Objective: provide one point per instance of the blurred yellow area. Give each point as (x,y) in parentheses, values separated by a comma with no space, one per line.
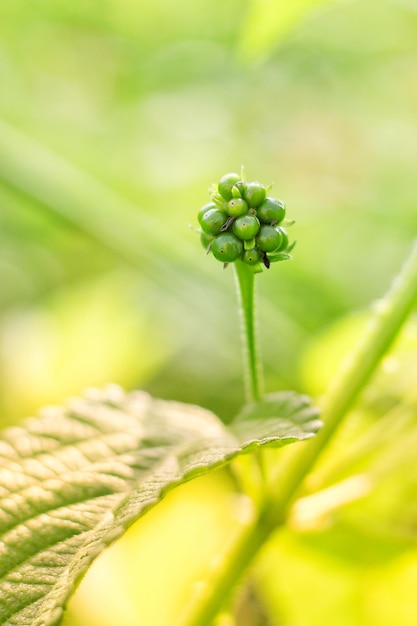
(115,118)
(158,566)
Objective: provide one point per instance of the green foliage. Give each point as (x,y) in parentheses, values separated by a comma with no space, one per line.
(113,118)
(273,405)
(75,478)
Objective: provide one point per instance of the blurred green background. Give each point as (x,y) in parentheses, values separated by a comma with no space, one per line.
(115,118)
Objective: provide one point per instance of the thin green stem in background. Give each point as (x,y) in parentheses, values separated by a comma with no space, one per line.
(253,375)
(390,314)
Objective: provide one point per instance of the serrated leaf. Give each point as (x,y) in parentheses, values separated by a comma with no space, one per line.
(73,479)
(284,417)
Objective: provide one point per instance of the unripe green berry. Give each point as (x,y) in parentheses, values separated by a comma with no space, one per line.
(271,211)
(269,238)
(284,238)
(246,227)
(206,239)
(227,248)
(254,193)
(252,257)
(212,221)
(240,222)
(236,207)
(226,184)
(204,209)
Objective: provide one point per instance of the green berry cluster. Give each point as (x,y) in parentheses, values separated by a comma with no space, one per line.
(242,222)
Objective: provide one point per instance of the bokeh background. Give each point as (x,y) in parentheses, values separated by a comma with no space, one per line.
(115,118)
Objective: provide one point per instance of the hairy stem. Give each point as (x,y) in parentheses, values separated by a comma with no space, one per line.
(253,375)
(390,315)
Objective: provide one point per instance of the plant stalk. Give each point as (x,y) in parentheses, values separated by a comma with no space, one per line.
(253,375)
(390,314)
(232,567)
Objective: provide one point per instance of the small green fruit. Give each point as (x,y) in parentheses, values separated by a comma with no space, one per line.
(254,193)
(227,182)
(284,241)
(204,209)
(271,211)
(227,248)
(269,238)
(252,257)
(246,227)
(236,207)
(206,240)
(212,221)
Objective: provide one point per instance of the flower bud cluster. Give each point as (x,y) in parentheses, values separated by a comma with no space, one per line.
(242,222)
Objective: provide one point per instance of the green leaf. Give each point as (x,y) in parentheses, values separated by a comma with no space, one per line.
(268,21)
(279,256)
(73,479)
(283,417)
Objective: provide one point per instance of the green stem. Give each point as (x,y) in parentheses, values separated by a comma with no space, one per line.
(390,315)
(253,376)
(232,567)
